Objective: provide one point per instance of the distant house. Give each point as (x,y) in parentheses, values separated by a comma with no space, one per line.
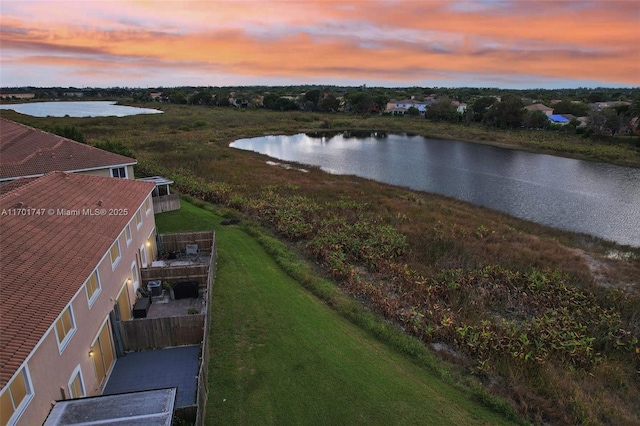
(460,106)
(73,94)
(540,107)
(601,105)
(401,107)
(17,95)
(73,246)
(29,152)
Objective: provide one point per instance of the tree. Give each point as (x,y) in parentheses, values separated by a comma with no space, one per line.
(329,103)
(536,120)
(311,99)
(270,100)
(597,97)
(574,108)
(176,96)
(360,102)
(142,96)
(413,111)
(634,109)
(612,120)
(221,98)
(442,110)
(509,112)
(380,102)
(203,97)
(278,103)
(481,106)
(596,122)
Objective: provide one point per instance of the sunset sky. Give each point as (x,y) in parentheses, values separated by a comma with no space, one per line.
(392,43)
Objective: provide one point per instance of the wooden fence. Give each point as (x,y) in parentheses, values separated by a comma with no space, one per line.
(166,203)
(157,333)
(173,274)
(203,386)
(179,242)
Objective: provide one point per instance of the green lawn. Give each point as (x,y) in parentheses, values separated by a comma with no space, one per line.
(281,356)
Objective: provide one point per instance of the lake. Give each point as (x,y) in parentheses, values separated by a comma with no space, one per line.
(580,196)
(78,109)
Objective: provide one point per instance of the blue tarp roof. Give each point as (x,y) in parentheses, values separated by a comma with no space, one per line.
(558,118)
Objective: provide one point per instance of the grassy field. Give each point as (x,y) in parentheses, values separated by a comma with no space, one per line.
(281,356)
(546,318)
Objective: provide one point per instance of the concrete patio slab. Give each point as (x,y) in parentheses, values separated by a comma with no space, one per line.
(158,369)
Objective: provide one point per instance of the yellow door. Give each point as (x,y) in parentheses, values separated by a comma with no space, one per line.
(124,305)
(103,353)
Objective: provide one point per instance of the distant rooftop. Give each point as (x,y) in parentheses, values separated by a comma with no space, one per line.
(557,118)
(29,152)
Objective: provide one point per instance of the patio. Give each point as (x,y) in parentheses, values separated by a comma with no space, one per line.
(157,369)
(164,306)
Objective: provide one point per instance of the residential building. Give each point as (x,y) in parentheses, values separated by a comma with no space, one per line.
(71,252)
(461,107)
(602,105)
(540,107)
(400,107)
(29,152)
(17,95)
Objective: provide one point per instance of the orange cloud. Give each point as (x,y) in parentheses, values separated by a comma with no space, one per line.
(393,41)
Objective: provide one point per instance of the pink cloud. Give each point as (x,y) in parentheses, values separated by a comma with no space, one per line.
(398,42)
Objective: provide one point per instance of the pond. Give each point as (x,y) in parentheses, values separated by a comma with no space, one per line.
(78,109)
(580,196)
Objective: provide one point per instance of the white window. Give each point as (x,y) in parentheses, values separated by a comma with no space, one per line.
(138,220)
(127,234)
(143,256)
(119,172)
(15,397)
(65,328)
(76,384)
(92,287)
(134,275)
(114,252)
(147,205)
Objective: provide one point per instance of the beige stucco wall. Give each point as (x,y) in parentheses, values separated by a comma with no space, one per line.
(51,370)
(107,172)
(100,172)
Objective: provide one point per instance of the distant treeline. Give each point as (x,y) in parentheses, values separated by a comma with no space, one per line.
(246,94)
(603,111)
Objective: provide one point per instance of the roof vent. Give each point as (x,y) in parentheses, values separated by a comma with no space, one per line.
(100,203)
(19,205)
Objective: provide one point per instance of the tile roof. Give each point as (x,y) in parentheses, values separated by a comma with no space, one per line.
(538,107)
(10,185)
(46,257)
(25,151)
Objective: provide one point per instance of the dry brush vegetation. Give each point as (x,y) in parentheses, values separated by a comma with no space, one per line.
(545,318)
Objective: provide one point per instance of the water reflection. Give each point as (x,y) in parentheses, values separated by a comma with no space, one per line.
(78,109)
(598,199)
